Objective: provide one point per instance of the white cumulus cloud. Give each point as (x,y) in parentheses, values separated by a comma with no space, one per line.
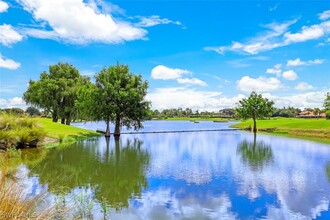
(308,33)
(302,100)
(303,86)
(8,35)
(262,42)
(3,6)
(295,62)
(260,84)
(290,75)
(316,61)
(277,35)
(8,63)
(324,15)
(192,81)
(299,62)
(275,70)
(74,21)
(164,72)
(164,98)
(155,20)
(16,102)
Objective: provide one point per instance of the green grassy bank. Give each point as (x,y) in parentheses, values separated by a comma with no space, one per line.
(313,129)
(63,132)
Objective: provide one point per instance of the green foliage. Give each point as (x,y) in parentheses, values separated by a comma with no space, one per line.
(255,107)
(326,105)
(19,132)
(188,113)
(32,111)
(63,132)
(116,178)
(117,96)
(14,111)
(289,112)
(84,205)
(312,129)
(56,91)
(256,154)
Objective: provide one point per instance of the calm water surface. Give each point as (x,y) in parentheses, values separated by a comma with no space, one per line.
(198,175)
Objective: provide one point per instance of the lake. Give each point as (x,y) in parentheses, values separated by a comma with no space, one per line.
(196,175)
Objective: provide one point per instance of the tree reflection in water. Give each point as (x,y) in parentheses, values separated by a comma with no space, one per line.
(257,153)
(114,176)
(328,171)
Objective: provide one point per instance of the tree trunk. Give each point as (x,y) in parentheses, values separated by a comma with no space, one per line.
(55,116)
(63,121)
(68,120)
(107,131)
(254,125)
(117,127)
(55,119)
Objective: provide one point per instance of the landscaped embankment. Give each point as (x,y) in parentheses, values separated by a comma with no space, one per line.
(22,132)
(60,132)
(314,129)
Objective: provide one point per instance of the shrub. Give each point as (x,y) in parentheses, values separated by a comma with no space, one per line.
(19,132)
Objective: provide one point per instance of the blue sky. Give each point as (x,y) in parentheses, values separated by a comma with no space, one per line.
(203,55)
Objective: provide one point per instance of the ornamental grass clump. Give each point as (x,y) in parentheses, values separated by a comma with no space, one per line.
(19,132)
(14,200)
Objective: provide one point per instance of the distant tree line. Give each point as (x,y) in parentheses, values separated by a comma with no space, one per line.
(31,111)
(188,112)
(117,96)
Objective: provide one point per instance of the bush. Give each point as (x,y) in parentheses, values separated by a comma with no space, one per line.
(327,114)
(19,132)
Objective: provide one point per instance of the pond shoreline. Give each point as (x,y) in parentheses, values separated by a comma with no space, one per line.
(296,131)
(308,129)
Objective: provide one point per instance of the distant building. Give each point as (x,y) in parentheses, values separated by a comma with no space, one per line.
(310,114)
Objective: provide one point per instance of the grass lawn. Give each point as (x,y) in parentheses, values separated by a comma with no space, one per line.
(307,128)
(61,132)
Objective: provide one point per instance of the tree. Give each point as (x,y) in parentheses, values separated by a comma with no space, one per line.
(32,111)
(14,111)
(316,112)
(117,96)
(255,107)
(326,105)
(56,91)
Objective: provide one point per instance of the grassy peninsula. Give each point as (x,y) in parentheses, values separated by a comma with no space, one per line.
(314,129)
(59,131)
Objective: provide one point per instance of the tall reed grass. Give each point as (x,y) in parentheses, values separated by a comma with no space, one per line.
(14,202)
(19,132)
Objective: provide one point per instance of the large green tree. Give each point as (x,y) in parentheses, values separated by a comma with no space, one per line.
(56,91)
(117,96)
(255,107)
(326,105)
